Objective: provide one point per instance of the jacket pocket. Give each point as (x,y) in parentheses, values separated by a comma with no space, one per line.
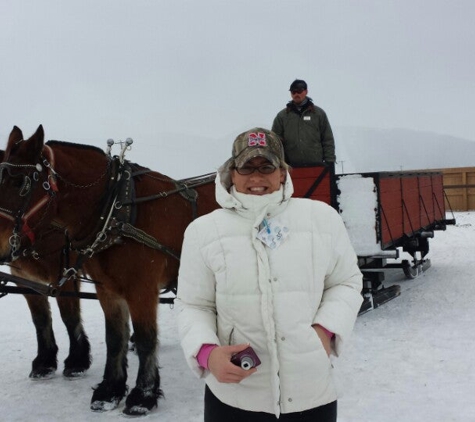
(226,334)
(231,337)
(320,344)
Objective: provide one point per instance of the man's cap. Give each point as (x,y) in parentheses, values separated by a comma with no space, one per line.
(298,84)
(258,142)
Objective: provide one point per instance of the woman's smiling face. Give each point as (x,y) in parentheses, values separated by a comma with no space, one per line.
(257,183)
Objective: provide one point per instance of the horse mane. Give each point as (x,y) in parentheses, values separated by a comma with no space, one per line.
(74,145)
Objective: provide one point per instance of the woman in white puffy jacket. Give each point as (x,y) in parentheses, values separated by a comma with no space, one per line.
(272,272)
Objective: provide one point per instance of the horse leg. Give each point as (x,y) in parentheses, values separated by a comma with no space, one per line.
(45,363)
(79,358)
(108,394)
(144,396)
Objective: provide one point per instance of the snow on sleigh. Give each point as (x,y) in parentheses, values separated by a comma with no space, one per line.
(384,213)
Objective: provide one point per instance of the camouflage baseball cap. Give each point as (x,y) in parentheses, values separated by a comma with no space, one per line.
(258,142)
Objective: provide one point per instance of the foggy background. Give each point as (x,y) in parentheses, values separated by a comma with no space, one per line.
(183,78)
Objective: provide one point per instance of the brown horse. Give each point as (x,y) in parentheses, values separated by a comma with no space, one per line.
(37,264)
(128,243)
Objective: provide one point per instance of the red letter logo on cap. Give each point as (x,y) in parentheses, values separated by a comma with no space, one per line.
(257,139)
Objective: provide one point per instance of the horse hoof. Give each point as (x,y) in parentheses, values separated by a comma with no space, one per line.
(74,374)
(104,406)
(42,374)
(136,411)
(139,402)
(107,396)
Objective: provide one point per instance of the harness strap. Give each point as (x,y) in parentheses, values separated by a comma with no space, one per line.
(132,232)
(183,187)
(191,195)
(72,272)
(156,196)
(6,216)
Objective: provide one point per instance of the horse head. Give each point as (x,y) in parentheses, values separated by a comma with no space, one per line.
(25,192)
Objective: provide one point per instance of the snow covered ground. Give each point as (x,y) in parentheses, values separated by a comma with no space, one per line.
(410,360)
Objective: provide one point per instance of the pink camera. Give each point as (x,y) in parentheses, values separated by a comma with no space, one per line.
(246,359)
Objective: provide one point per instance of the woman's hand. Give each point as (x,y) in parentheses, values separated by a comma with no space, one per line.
(324,338)
(219,363)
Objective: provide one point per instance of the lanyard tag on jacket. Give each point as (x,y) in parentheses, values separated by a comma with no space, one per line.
(273,232)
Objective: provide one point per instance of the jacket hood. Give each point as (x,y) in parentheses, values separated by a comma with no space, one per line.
(228,198)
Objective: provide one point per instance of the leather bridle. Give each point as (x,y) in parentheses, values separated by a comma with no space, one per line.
(32,175)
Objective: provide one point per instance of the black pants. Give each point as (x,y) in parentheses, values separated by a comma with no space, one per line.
(217,411)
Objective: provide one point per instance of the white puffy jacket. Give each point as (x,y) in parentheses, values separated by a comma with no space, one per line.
(233,289)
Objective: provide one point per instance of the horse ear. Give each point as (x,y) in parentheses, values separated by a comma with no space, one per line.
(16,135)
(35,143)
(39,135)
(2,155)
(15,138)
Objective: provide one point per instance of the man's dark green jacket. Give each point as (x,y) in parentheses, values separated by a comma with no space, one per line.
(306,134)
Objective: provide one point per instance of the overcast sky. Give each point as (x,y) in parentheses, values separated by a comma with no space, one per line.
(170,73)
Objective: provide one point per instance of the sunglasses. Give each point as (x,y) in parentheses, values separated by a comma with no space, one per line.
(297,91)
(264,169)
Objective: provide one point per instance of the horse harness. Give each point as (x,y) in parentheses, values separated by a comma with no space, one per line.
(117,216)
